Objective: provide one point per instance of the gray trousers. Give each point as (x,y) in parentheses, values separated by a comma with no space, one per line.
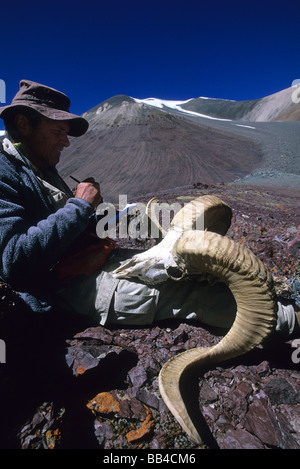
(131,302)
(112,301)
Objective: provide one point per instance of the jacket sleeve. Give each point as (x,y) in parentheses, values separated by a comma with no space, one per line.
(29,249)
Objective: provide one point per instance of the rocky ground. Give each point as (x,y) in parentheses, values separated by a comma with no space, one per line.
(69,385)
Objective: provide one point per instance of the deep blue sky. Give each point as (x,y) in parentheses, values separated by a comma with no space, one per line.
(171,49)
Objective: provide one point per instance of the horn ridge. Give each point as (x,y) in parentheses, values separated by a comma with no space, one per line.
(251,284)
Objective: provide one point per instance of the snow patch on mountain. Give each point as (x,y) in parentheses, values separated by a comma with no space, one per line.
(247,126)
(161,103)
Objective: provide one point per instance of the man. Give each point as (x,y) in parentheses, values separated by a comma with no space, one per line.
(35,231)
(41,219)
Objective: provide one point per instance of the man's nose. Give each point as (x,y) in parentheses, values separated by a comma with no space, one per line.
(65,140)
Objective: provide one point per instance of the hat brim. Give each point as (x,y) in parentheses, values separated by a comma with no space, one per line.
(78,125)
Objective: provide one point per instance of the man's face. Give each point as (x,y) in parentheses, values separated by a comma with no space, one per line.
(45,142)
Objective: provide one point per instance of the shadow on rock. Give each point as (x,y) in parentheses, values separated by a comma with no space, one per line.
(42,399)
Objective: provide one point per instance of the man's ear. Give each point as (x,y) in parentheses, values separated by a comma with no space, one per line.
(22,124)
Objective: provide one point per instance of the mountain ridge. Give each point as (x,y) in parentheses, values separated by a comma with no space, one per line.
(281,104)
(140,146)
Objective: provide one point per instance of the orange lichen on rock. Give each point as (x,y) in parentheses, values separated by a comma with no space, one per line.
(144,430)
(52,438)
(103,403)
(80,370)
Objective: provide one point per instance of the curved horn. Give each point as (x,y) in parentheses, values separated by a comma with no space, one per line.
(252,286)
(150,212)
(207,212)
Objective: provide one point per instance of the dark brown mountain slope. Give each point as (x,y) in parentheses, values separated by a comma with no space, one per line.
(135,149)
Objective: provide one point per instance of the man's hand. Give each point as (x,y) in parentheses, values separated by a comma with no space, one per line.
(89,190)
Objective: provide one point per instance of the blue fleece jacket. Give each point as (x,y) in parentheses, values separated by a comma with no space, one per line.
(33,236)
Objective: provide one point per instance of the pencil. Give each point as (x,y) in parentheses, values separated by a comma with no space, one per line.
(74,179)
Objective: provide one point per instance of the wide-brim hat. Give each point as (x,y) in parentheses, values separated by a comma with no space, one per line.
(48,102)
